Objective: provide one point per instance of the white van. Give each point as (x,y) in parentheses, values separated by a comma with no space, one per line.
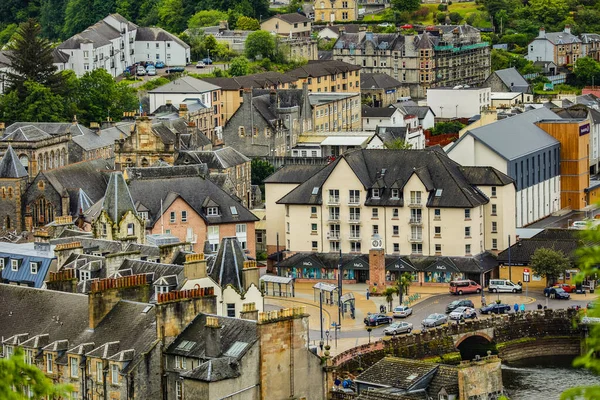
(503,285)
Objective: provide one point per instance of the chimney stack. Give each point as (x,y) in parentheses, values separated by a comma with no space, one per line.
(213,337)
(249,311)
(194,266)
(183,110)
(542,33)
(64,250)
(94,126)
(175,310)
(568,29)
(250,274)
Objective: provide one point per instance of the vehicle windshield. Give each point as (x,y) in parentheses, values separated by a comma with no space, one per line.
(460,309)
(395,325)
(399,308)
(455,302)
(560,290)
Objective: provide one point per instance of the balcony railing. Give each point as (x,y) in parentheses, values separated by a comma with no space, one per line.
(415,203)
(415,238)
(333,235)
(355,236)
(334,217)
(415,221)
(334,200)
(354,220)
(354,200)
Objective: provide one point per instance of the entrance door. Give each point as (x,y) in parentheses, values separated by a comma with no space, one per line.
(362,276)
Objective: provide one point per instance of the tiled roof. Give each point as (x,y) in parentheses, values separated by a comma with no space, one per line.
(292,18)
(155,34)
(293,173)
(262,80)
(378,81)
(399,165)
(375,112)
(486,176)
(322,68)
(186,84)
(397,372)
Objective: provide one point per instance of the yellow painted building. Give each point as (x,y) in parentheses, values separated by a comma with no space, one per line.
(335,111)
(336,10)
(328,76)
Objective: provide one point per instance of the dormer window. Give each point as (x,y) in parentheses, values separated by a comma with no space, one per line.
(375,193)
(14,265)
(33,267)
(85,275)
(130,229)
(211,211)
(395,193)
(162,289)
(143,214)
(49,363)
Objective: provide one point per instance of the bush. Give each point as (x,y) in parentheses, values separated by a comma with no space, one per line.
(442,7)
(442,128)
(421,13)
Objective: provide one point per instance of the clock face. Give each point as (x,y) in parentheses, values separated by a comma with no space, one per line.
(376,243)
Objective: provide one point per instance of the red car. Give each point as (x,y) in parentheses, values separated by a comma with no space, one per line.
(566,287)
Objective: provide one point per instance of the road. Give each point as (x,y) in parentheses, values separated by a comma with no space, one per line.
(437,304)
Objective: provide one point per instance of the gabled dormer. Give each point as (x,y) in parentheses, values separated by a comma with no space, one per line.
(210,208)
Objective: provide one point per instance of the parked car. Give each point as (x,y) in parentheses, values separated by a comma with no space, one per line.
(464,286)
(504,285)
(141,70)
(377,319)
(159,64)
(174,69)
(556,293)
(200,64)
(434,320)
(398,327)
(463,313)
(402,311)
(581,225)
(495,308)
(207,61)
(459,303)
(151,71)
(566,287)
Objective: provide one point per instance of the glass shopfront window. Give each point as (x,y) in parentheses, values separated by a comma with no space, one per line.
(442,276)
(392,276)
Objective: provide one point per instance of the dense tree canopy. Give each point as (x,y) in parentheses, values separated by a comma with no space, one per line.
(549,263)
(260,44)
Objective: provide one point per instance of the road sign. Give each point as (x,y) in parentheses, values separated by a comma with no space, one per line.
(526,276)
(525,271)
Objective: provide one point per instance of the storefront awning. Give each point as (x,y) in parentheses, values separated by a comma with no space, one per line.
(400,264)
(357,263)
(442,265)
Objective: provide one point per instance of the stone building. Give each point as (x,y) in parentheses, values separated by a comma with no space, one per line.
(510,80)
(336,10)
(328,76)
(228,161)
(66,191)
(13,184)
(381,89)
(268,122)
(445,55)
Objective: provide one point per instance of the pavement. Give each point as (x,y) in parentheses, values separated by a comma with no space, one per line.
(431,300)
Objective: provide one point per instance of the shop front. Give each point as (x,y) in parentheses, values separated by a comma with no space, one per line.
(396,266)
(441,271)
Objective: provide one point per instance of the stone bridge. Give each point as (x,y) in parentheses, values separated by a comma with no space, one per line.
(512,337)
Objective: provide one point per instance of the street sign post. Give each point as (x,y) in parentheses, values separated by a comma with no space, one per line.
(526,278)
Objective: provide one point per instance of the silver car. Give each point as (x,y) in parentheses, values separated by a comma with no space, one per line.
(463,313)
(402,311)
(434,320)
(398,327)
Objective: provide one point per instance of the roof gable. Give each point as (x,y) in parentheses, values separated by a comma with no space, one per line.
(10,166)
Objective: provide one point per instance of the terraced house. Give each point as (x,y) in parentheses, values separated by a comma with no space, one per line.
(445,55)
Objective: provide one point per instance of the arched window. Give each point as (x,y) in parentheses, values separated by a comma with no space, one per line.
(24,161)
(51,160)
(63,158)
(145,162)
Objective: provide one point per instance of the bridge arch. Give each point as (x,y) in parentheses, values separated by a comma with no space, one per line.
(466,336)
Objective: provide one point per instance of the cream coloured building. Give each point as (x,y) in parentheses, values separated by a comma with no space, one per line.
(419,202)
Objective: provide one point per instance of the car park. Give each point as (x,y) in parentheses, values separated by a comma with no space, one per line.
(503,285)
(463,313)
(495,308)
(402,311)
(459,303)
(556,293)
(141,70)
(174,70)
(464,286)
(434,320)
(398,327)
(377,319)
(150,70)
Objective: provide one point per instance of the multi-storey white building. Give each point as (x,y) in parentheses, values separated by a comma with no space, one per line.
(115,43)
(419,202)
(458,102)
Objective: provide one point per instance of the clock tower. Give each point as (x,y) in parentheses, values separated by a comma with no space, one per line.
(376,265)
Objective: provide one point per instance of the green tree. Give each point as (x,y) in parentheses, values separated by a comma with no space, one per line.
(31,58)
(549,263)
(587,70)
(442,128)
(398,144)
(52,18)
(247,24)
(99,97)
(7,33)
(260,44)
(206,18)
(41,104)
(239,66)
(455,18)
(389,293)
(209,43)
(78,16)
(549,12)
(402,284)
(406,5)
(260,170)
(171,15)
(17,377)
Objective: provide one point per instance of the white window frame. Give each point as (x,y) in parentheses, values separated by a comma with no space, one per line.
(49,363)
(375,193)
(212,211)
(183,216)
(178,390)
(114,374)
(85,275)
(28,356)
(74,367)
(395,193)
(99,371)
(1,263)
(34,267)
(14,265)
(172,217)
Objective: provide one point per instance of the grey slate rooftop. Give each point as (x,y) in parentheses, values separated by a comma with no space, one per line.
(378,81)
(155,34)
(226,268)
(10,166)
(117,199)
(322,68)
(219,159)
(293,173)
(186,84)
(261,80)
(513,79)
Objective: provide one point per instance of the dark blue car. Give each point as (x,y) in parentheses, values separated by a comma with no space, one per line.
(495,309)
(160,64)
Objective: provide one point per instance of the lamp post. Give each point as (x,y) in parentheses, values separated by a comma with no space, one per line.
(369,330)
(321,314)
(327,336)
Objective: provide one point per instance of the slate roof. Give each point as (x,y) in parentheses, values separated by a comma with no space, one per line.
(446,378)
(196,191)
(89,140)
(10,166)
(349,28)
(186,84)
(513,80)
(560,38)
(377,112)
(117,199)
(100,34)
(34,131)
(419,111)
(486,176)
(214,370)
(501,135)
(378,81)
(164,172)
(35,311)
(221,159)
(396,372)
(226,269)
(565,240)
(25,253)
(322,68)
(292,18)
(391,133)
(434,168)
(232,330)
(261,80)
(154,34)
(293,173)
